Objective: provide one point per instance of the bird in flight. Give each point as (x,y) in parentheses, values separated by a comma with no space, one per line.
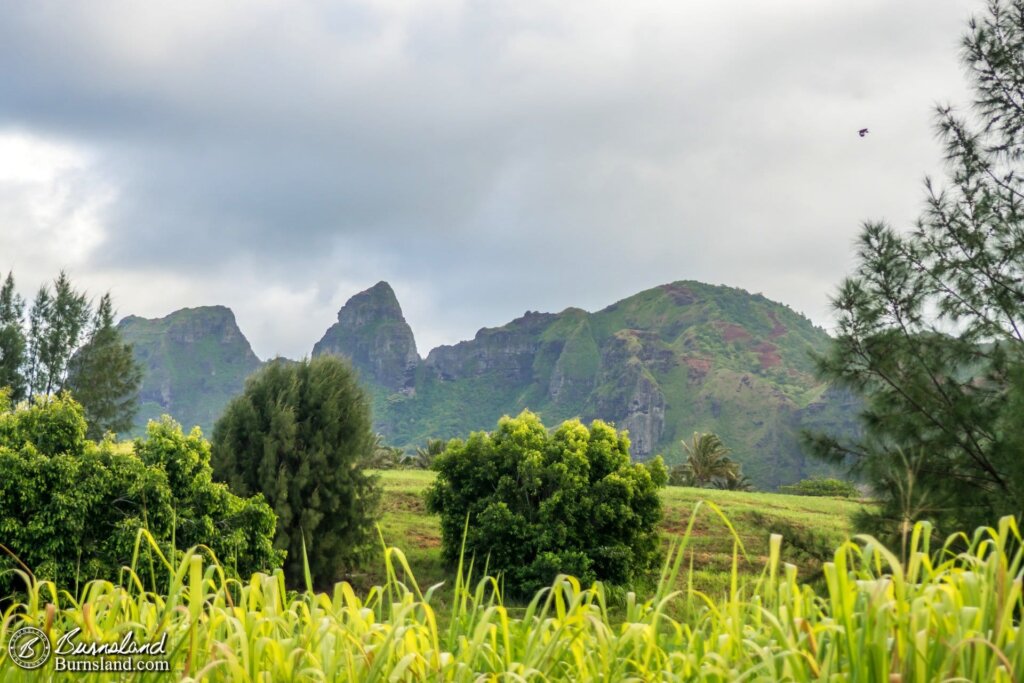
(862,132)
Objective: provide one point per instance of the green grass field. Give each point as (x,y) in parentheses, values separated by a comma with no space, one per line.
(406,524)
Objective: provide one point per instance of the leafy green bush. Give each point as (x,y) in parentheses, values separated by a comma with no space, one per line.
(539,504)
(301,434)
(71,509)
(833,488)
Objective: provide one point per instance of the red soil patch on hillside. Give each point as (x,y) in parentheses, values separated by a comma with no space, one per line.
(732,332)
(681,294)
(769,354)
(778,328)
(698,367)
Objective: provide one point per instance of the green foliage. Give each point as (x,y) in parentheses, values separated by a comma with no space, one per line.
(104,377)
(942,615)
(62,351)
(57,323)
(425,456)
(382,456)
(539,504)
(13,345)
(931,323)
(406,522)
(679,476)
(708,464)
(72,509)
(239,530)
(734,481)
(300,434)
(832,488)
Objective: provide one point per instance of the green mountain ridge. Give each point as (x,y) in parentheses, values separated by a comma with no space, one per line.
(194,361)
(663,363)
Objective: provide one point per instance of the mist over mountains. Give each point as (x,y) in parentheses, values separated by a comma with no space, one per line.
(663,363)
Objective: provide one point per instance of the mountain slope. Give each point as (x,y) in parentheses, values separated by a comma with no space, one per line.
(194,361)
(663,363)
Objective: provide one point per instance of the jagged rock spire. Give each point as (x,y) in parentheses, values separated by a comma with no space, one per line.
(372,332)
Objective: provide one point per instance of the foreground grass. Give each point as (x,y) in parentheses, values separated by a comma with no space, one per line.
(941,615)
(406,524)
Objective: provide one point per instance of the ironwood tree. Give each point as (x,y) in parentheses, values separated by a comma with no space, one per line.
(300,434)
(931,322)
(104,376)
(66,345)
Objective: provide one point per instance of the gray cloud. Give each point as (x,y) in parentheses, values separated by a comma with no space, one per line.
(484,157)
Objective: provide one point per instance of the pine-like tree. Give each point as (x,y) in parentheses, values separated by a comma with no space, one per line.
(60,351)
(931,324)
(299,434)
(104,377)
(57,322)
(12,341)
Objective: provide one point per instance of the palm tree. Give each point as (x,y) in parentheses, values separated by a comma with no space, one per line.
(424,457)
(707,460)
(735,482)
(383,457)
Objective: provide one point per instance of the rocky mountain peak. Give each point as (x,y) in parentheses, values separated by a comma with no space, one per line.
(372,333)
(194,325)
(371,306)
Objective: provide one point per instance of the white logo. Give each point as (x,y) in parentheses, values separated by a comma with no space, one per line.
(29,648)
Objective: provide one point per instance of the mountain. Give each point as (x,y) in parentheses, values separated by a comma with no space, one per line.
(194,361)
(372,332)
(663,363)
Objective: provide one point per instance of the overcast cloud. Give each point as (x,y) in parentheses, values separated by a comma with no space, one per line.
(485,158)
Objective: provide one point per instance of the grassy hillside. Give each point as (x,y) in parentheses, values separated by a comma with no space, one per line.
(406,524)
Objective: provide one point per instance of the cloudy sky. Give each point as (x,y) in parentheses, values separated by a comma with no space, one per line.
(484,157)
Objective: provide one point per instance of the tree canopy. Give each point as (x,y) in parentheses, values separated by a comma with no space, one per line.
(13,345)
(104,376)
(931,322)
(300,434)
(708,464)
(72,509)
(540,503)
(65,345)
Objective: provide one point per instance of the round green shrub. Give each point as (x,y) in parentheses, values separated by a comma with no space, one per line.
(539,503)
